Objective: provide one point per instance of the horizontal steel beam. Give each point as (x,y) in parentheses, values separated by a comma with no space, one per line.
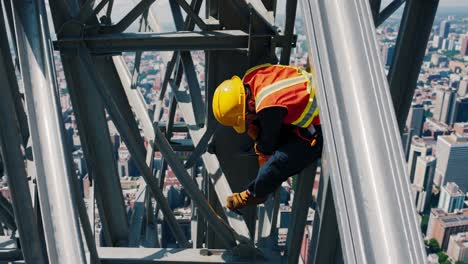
(176,255)
(182,40)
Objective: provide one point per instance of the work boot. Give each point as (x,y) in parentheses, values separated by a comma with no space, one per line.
(240,200)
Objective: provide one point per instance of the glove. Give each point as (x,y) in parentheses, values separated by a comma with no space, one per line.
(262,158)
(240,200)
(253,131)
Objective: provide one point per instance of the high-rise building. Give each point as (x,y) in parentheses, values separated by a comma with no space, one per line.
(444,105)
(419,148)
(436,42)
(464,47)
(461,110)
(444,29)
(463,88)
(423,181)
(415,119)
(445,44)
(387,53)
(452,161)
(442,225)
(458,247)
(451,198)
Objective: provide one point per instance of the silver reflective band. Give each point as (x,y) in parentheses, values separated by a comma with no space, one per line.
(277,86)
(309,114)
(312,130)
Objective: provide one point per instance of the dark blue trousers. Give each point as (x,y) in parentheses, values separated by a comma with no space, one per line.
(293,155)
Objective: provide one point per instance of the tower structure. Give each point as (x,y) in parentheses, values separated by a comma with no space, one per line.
(107,93)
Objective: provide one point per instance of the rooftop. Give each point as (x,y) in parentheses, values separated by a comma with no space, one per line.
(456,139)
(453,189)
(451,219)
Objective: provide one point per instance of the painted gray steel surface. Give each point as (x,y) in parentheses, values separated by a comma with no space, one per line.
(59,215)
(376,217)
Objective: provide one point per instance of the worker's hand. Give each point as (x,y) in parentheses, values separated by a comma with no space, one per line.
(253,131)
(262,159)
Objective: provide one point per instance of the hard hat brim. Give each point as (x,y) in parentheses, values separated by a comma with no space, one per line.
(240,129)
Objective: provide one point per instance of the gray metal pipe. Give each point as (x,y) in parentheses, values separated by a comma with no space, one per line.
(376,216)
(59,214)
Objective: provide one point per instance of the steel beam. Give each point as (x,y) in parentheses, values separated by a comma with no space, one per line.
(6,205)
(388,11)
(7,219)
(201,147)
(358,121)
(183,40)
(144,27)
(19,106)
(268,213)
(58,209)
(193,14)
(178,256)
(213,168)
(135,98)
(171,116)
(194,87)
(325,242)
(300,210)
(87,11)
(85,222)
(134,142)
(96,143)
(409,53)
(99,155)
(291,7)
(375,8)
(184,63)
(224,231)
(123,24)
(136,219)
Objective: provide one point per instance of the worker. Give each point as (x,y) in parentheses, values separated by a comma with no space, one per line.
(277,107)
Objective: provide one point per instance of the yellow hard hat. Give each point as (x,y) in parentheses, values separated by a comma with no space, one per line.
(229,104)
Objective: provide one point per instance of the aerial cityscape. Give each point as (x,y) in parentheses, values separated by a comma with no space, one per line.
(434,142)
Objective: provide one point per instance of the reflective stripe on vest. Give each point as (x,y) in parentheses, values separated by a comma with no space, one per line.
(277,86)
(311,110)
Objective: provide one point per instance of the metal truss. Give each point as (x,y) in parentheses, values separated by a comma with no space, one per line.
(353,214)
(374,197)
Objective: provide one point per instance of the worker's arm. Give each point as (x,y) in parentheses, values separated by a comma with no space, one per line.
(270,120)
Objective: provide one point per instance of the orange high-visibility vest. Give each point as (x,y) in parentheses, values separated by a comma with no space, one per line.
(284,86)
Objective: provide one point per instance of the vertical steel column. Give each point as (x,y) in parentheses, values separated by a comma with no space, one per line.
(59,214)
(13,160)
(375,8)
(291,7)
(411,44)
(96,143)
(268,212)
(325,242)
(20,112)
(376,217)
(300,210)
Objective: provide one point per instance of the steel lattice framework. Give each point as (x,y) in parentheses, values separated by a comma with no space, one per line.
(364,211)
